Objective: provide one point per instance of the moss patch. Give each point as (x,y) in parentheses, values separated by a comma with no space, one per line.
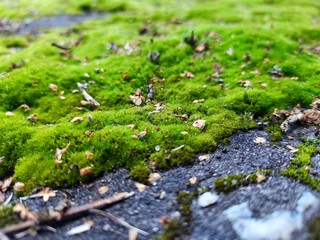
(7,216)
(175,229)
(314,229)
(232,182)
(301,165)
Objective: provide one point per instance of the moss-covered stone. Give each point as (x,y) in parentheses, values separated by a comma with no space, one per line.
(261,36)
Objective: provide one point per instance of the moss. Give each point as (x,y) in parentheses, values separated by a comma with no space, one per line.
(7,216)
(175,229)
(115,75)
(232,182)
(275,133)
(300,165)
(140,173)
(314,229)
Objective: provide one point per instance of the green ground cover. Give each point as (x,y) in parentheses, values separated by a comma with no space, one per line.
(246,59)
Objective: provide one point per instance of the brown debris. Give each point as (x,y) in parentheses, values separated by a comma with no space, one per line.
(245,83)
(297,114)
(70,213)
(85,171)
(33,117)
(137,98)
(200,124)
(59,152)
(6,184)
(76,119)
(53,87)
(19,186)
(153,177)
(187,74)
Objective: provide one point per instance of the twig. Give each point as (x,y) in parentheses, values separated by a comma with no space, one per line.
(60,47)
(90,99)
(72,212)
(118,220)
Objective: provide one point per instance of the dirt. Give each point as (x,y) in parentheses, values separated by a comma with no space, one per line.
(145,210)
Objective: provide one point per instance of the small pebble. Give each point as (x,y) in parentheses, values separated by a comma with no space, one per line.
(207,199)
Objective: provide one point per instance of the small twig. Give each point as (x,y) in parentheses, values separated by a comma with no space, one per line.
(60,47)
(178,148)
(90,99)
(118,220)
(72,212)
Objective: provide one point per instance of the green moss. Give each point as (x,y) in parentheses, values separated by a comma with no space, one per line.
(175,229)
(300,166)
(275,133)
(314,229)
(140,173)
(263,30)
(232,182)
(7,216)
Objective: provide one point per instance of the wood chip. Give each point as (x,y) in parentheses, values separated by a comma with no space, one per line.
(60,152)
(131,126)
(133,234)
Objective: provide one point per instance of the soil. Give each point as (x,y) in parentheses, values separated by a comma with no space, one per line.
(145,210)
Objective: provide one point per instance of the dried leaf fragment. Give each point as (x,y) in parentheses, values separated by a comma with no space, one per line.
(143,133)
(200,124)
(45,193)
(85,171)
(76,119)
(89,155)
(292,149)
(103,189)
(187,74)
(205,157)
(33,117)
(6,184)
(137,100)
(245,83)
(193,180)
(25,107)
(131,126)
(260,140)
(59,151)
(184,133)
(19,186)
(23,212)
(260,177)
(53,87)
(141,187)
(153,177)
